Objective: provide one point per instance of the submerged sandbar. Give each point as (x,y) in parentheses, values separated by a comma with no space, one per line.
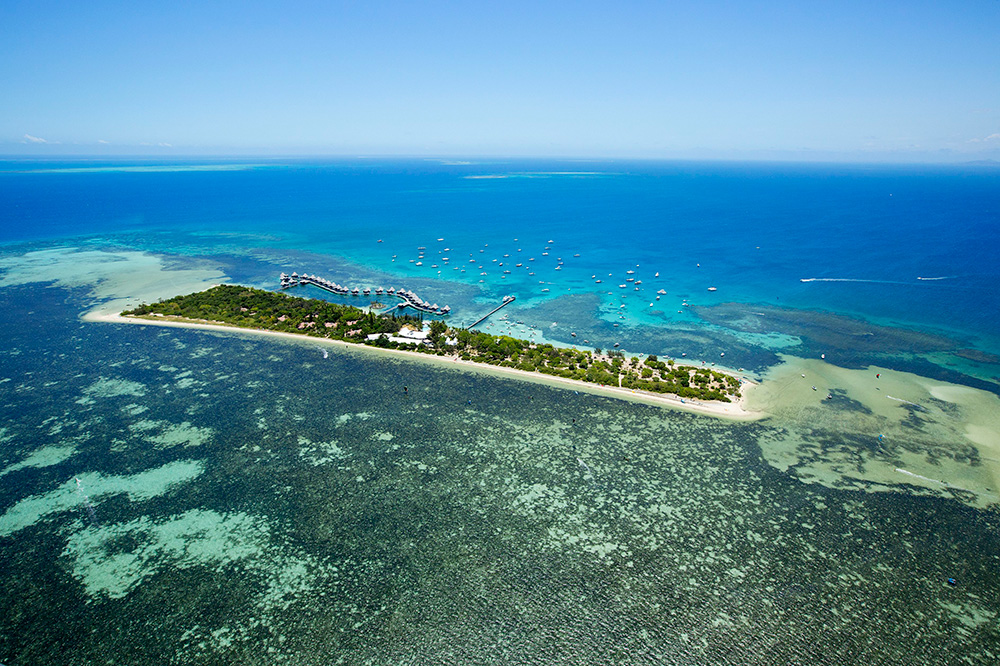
(878,429)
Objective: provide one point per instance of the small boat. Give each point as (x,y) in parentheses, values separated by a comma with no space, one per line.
(657,274)
(712,288)
(576,255)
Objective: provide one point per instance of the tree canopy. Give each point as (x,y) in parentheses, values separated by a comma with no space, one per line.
(247,307)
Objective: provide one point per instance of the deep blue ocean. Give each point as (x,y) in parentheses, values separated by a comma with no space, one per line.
(909,245)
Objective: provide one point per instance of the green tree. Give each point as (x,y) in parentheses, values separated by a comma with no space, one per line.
(438,329)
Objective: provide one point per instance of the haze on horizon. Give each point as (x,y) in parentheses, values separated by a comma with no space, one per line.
(848,81)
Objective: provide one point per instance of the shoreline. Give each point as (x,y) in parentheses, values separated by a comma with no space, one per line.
(735,411)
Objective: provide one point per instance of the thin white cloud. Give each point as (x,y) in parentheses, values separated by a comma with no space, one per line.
(33,139)
(992,137)
(103,141)
(165,145)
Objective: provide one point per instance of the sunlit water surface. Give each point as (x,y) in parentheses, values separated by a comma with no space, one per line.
(177,496)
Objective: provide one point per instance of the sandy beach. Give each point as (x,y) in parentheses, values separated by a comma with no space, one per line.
(736,411)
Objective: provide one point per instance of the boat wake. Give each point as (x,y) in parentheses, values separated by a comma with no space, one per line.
(589,475)
(925,279)
(86,502)
(851,280)
(925,478)
(921,407)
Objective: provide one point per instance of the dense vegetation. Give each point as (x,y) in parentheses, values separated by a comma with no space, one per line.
(254,308)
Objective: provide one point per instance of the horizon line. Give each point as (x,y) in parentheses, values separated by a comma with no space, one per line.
(457,159)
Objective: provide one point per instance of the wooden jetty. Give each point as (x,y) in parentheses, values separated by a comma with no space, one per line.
(507,300)
(408,298)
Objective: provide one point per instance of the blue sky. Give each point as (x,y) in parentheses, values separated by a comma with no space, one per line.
(899,81)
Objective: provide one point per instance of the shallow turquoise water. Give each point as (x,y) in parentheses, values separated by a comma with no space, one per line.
(252,501)
(864,236)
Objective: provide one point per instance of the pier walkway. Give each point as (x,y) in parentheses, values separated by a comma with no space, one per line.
(506,301)
(408,298)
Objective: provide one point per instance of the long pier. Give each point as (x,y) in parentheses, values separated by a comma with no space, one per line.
(408,298)
(507,300)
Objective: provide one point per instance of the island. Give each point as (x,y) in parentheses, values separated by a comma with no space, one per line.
(261,310)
